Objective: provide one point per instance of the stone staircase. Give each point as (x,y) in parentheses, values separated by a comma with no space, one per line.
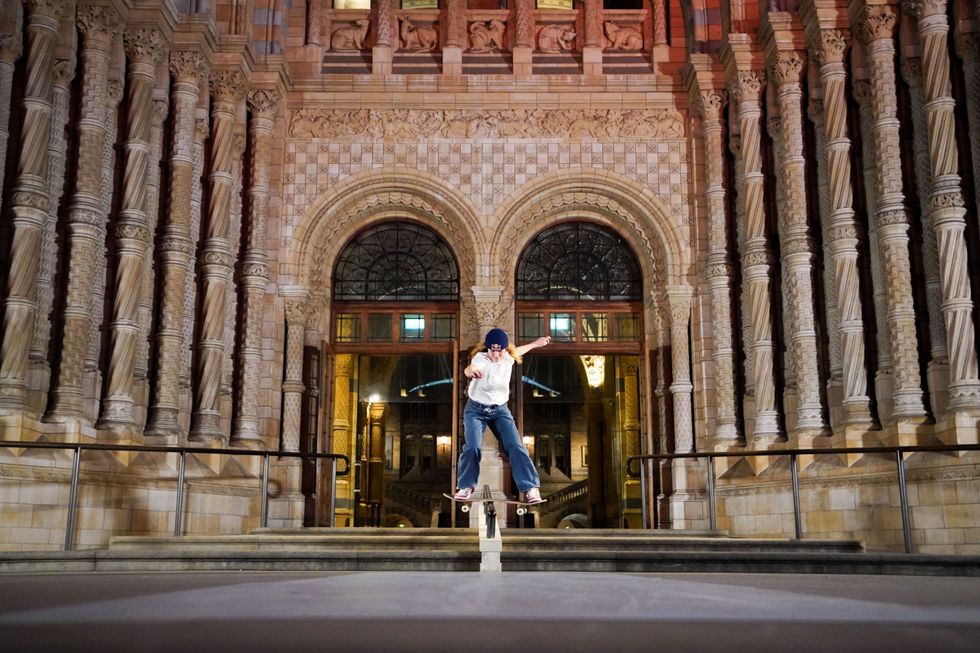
(430,549)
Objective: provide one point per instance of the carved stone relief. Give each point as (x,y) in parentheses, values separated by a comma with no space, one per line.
(487,36)
(350,37)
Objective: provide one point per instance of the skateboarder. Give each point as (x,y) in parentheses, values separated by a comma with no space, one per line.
(489,389)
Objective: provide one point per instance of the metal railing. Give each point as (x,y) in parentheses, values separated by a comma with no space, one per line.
(182,452)
(898,452)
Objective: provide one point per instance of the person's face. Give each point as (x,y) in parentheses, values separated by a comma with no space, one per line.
(495,353)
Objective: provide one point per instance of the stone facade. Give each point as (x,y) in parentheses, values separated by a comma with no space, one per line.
(803,210)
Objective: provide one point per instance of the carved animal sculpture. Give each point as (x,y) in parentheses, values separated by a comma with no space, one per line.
(623,38)
(488,36)
(350,37)
(555,38)
(417,37)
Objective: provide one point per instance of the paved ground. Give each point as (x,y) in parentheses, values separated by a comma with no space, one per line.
(474,612)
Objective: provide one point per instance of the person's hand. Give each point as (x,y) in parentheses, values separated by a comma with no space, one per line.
(542,341)
(473,373)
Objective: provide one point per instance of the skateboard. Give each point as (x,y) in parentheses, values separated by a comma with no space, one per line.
(522,506)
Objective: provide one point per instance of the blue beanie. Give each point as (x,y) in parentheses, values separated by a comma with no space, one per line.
(496,337)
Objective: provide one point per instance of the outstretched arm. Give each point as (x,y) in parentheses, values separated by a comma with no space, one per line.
(540,342)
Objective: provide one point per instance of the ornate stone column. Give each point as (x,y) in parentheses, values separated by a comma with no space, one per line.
(99,27)
(40,369)
(968,49)
(876,26)
(227,91)
(746,90)
(592,44)
(795,243)
(29,204)
(884,376)
(265,105)
(681,386)
(343,439)
(292,386)
(456,38)
(945,204)
(176,246)
(146,49)
(11,47)
(523,37)
(385,43)
(710,104)
(830,47)
(938,372)
(148,282)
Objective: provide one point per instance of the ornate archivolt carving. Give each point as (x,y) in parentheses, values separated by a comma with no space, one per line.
(420,38)
(487,36)
(556,38)
(350,37)
(622,37)
(512,123)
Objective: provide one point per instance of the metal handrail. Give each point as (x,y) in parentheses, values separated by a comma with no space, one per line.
(898,452)
(77,449)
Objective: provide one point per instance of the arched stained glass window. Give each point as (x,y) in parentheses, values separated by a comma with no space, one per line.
(578,260)
(396,261)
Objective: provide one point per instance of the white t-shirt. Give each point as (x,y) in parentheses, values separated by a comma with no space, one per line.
(494,387)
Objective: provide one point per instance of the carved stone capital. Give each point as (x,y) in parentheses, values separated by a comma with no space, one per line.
(63,73)
(842,232)
(829,46)
(861,88)
(132,231)
(51,8)
(11,46)
(814,110)
(177,244)
(746,86)
(114,92)
(98,22)
(265,102)
(228,86)
(912,70)
(735,143)
(709,103)
(160,110)
(946,200)
(145,45)
(786,68)
(876,22)
(967,46)
(922,8)
(296,312)
(188,66)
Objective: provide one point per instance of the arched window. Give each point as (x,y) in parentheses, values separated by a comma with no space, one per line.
(396,261)
(578,260)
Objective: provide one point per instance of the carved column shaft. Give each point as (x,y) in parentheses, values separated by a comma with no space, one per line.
(29,205)
(292,387)
(64,72)
(455,24)
(99,27)
(217,257)
(148,282)
(968,48)
(11,47)
(912,72)
(756,273)
(719,271)
(255,264)
(660,26)
(593,24)
(177,244)
(524,20)
(681,386)
(945,205)
(795,241)
(145,49)
(841,234)
(891,218)
(384,24)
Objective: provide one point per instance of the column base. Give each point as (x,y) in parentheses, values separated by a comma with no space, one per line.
(163,424)
(207,427)
(117,414)
(381,60)
(964,395)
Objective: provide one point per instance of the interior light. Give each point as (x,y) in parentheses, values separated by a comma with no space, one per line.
(595,369)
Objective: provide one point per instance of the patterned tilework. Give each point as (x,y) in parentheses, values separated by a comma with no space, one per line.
(486,172)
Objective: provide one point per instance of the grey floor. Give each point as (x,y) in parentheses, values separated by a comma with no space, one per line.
(474,612)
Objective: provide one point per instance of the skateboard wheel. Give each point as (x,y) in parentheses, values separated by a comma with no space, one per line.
(521,510)
(466,508)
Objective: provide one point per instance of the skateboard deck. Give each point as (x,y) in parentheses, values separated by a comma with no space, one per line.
(522,506)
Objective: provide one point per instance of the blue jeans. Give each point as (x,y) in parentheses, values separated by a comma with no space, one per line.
(478,417)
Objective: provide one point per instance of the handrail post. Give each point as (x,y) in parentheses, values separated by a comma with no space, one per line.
(72,499)
(333,491)
(643,496)
(903,498)
(264,510)
(797,516)
(179,509)
(712,510)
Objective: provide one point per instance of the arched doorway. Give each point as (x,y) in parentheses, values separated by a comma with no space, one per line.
(395,322)
(580,283)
